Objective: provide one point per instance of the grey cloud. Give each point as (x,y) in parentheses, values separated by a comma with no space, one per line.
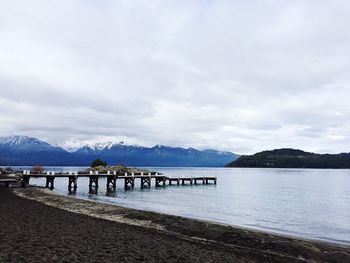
(235,75)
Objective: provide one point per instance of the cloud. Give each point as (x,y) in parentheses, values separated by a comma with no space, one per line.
(233,75)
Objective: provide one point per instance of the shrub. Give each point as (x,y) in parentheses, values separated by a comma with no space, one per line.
(98,162)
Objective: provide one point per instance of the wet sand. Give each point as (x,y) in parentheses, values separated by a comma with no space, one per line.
(38,225)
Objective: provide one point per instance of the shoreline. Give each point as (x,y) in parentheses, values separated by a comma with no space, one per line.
(234,243)
(261,230)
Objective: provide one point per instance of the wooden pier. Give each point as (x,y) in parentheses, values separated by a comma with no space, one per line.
(8,182)
(129,180)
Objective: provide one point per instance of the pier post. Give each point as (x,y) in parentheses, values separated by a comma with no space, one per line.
(111,183)
(25,180)
(177,180)
(50,182)
(93,184)
(145,182)
(159,180)
(72,183)
(129,182)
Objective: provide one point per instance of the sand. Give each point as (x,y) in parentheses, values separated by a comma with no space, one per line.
(38,225)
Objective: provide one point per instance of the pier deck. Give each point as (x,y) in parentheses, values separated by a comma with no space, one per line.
(129,180)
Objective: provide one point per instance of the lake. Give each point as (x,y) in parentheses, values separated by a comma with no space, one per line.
(308,203)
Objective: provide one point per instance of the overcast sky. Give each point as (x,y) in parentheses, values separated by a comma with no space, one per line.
(242,76)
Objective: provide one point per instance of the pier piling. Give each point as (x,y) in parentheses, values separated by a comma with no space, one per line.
(160,180)
(146,182)
(176,180)
(25,180)
(72,183)
(129,182)
(111,183)
(50,182)
(93,184)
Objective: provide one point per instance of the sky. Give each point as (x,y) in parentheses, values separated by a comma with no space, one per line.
(242,76)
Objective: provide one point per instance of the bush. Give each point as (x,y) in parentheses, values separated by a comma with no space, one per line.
(37,169)
(98,162)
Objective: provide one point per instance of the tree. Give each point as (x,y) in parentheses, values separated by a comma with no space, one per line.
(37,169)
(98,162)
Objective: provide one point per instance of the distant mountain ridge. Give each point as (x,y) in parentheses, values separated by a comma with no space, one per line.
(24,150)
(292,158)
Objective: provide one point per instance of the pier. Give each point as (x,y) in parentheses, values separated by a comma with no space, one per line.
(8,182)
(144,180)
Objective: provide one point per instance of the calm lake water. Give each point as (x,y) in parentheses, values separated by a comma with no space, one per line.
(307,203)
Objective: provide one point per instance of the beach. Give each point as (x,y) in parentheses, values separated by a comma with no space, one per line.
(38,225)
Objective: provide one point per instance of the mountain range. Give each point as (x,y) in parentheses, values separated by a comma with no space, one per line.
(24,150)
(292,158)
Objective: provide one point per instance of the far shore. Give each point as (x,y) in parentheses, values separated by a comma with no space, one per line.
(78,230)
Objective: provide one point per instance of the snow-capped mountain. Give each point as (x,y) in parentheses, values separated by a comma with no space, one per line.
(24,143)
(159,155)
(104,145)
(23,150)
(17,141)
(88,146)
(96,147)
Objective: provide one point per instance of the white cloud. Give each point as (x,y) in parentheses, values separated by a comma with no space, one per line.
(235,75)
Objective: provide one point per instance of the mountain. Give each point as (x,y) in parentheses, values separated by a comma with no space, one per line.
(292,158)
(158,155)
(23,150)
